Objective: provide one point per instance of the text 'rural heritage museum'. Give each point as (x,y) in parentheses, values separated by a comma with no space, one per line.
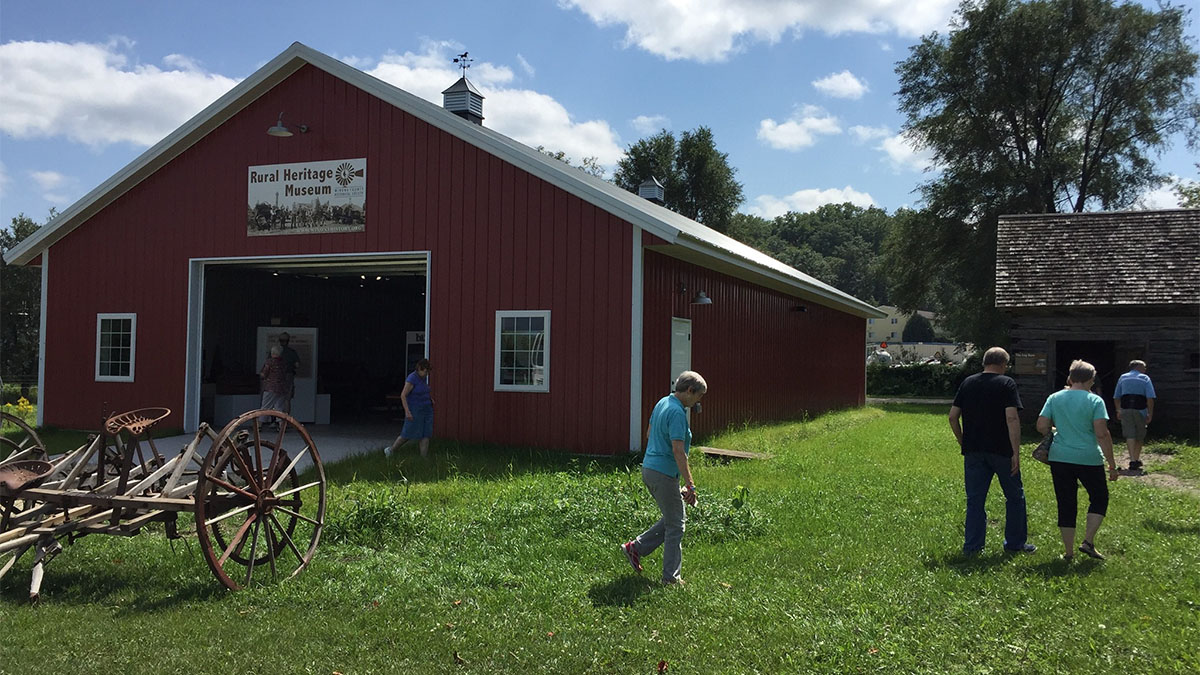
(377,228)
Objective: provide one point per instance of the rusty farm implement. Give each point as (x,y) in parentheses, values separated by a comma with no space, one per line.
(255,489)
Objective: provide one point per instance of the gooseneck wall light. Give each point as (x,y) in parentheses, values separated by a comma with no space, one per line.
(282,131)
(700,299)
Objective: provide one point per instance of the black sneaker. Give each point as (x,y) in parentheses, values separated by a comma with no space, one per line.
(1027,548)
(1135,466)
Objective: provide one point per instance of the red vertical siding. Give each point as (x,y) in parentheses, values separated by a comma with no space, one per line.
(762,360)
(499,239)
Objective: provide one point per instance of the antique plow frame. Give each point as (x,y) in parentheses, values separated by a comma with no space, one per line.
(252,509)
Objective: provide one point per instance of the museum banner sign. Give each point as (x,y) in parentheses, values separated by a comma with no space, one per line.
(307,197)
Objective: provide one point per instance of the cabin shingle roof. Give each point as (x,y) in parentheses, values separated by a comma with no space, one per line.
(1114,258)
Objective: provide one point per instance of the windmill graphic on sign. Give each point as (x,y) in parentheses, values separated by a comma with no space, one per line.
(463,62)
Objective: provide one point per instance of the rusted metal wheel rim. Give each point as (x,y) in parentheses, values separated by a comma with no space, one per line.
(248,478)
(25,439)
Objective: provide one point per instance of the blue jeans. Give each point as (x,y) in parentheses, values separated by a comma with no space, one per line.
(978,469)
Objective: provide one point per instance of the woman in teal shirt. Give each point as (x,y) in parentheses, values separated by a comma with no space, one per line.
(668,441)
(1081,446)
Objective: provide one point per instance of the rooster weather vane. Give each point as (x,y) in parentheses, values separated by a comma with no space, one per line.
(463,62)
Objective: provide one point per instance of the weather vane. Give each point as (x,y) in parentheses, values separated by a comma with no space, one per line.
(463,62)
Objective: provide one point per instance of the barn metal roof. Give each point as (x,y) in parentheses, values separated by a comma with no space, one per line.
(1089,259)
(699,244)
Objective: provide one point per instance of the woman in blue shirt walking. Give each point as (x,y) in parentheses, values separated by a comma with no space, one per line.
(418,410)
(668,442)
(1081,446)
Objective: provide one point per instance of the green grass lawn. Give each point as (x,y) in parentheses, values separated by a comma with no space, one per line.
(842,558)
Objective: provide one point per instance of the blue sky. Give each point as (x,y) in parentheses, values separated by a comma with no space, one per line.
(799,93)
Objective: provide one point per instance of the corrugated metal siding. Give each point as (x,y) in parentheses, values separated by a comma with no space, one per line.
(499,239)
(762,360)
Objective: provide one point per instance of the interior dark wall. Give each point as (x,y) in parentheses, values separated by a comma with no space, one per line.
(361,326)
(1099,353)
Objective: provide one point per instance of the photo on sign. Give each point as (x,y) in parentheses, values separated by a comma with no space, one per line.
(307,197)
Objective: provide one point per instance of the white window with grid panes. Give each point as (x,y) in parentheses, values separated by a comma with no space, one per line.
(522,350)
(116,345)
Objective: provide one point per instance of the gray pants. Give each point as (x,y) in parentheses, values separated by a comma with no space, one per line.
(668,531)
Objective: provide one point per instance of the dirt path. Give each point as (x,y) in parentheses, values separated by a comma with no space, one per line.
(1157,478)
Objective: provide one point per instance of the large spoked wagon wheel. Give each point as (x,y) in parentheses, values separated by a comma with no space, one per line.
(260,499)
(18,440)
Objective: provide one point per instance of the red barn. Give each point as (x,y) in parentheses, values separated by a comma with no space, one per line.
(377,227)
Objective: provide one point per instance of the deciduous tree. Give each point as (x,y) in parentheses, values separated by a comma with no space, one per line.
(697,178)
(20,308)
(1188,193)
(1031,107)
(918,329)
(839,244)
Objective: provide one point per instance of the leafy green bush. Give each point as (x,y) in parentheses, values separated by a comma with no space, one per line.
(927,379)
(22,409)
(11,393)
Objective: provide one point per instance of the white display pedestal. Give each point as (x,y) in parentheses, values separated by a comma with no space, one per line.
(322,409)
(226,407)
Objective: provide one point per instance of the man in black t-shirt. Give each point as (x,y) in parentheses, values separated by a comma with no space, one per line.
(990,438)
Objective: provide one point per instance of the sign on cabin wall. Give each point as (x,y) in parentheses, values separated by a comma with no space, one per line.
(1029,363)
(307,197)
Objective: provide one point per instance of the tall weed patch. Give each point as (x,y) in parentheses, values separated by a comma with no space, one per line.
(375,516)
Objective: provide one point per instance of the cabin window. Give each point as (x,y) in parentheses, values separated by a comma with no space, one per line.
(522,351)
(116,341)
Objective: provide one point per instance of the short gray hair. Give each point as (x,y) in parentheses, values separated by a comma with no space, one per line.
(1137,363)
(690,380)
(1081,371)
(996,356)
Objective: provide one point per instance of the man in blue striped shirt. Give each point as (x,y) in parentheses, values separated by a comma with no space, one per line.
(1134,403)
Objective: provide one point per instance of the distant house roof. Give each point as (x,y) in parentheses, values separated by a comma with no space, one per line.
(1114,258)
(695,242)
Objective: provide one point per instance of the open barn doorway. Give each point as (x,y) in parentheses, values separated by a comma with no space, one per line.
(1100,353)
(362,320)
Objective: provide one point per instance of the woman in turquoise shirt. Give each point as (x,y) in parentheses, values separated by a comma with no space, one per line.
(1081,446)
(668,441)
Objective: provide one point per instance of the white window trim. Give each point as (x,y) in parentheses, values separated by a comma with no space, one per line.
(132,346)
(545,386)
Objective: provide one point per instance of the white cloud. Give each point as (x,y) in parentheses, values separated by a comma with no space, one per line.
(3,182)
(360,62)
(56,188)
(1162,197)
(92,94)
(649,124)
(862,134)
(525,115)
(841,85)
(800,131)
(903,156)
(803,201)
(714,29)
(525,66)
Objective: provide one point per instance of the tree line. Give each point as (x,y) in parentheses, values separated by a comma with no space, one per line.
(1027,106)
(1034,106)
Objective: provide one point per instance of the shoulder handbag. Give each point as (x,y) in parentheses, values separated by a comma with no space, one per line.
(1042,452)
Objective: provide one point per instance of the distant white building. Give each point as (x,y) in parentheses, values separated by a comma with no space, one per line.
(891,327)
(886,335)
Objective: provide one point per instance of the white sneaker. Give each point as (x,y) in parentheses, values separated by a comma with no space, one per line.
(387,452)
